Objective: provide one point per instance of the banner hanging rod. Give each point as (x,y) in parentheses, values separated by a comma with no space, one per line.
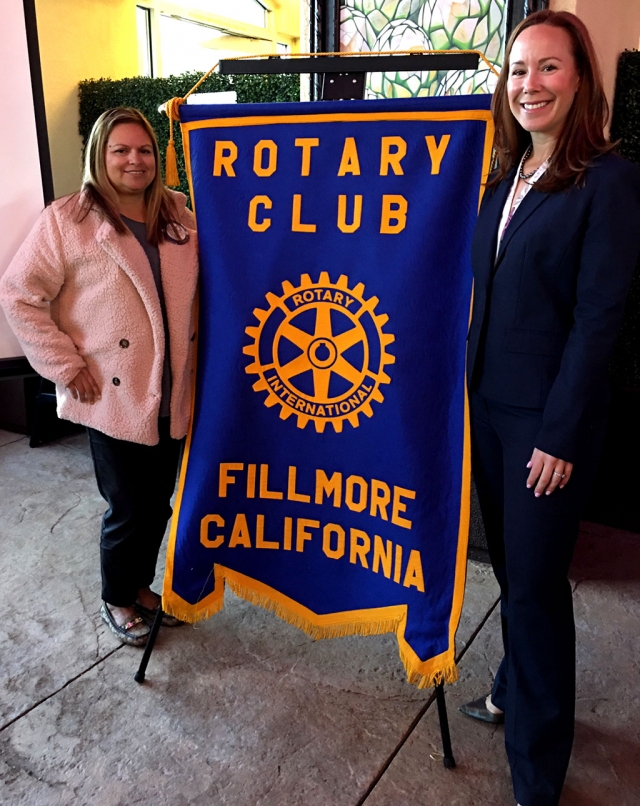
(350,64)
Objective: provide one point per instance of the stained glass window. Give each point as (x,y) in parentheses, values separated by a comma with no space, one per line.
(373,25)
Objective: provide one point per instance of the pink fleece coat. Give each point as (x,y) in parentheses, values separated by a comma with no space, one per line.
(80,294)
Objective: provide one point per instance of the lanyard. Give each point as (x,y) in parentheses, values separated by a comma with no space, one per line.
(512,203)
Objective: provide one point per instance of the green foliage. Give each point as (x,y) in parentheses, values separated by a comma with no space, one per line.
(147,94)
(625,126)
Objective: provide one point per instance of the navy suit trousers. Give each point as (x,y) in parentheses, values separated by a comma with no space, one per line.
(531,542)
(137,482)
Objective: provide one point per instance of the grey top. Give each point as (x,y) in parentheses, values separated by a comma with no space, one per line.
(140,231)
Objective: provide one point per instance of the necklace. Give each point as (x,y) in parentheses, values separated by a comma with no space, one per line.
(514,202)
(526,156)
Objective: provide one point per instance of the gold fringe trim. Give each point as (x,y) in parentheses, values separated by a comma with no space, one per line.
(316,631)
(178,608)
(447,673)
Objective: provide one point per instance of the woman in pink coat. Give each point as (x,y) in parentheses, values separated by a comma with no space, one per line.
(101,297)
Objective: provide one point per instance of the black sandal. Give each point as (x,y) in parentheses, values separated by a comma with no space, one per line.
(134,632)
(477,709)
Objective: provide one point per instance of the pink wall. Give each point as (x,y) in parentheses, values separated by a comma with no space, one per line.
(614,26)
(21,200)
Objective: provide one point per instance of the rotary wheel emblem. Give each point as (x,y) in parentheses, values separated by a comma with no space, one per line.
(320,352)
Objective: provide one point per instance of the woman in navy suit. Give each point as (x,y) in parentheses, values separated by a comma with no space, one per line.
(556,243)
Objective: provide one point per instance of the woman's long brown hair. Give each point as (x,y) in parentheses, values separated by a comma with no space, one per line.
(98,192)
(582,136)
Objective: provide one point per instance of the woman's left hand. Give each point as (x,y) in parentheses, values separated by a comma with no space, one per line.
(84,387)
(547,473)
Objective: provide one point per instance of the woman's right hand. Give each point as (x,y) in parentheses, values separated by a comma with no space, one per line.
(84,387)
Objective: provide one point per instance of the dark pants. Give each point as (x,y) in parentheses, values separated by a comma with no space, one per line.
(531,542)
(137,482)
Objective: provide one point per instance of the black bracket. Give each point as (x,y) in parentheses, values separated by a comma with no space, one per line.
(342,86)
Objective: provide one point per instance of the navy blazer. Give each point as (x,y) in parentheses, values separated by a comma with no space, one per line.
(547,311)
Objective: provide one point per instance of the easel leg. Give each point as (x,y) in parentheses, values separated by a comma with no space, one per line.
(448,759)
(140,674)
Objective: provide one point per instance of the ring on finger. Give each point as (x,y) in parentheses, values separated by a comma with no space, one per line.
(562,475)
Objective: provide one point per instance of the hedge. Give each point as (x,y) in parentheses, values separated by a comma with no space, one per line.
(625,127)
(146,94)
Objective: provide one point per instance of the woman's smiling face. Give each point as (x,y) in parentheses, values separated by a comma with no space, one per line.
(129,159)
(543,79)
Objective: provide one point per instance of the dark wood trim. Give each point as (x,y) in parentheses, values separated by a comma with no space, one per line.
(614,498)
(517,10)
(35,67)
(331,26)
(17,367)
(324,36)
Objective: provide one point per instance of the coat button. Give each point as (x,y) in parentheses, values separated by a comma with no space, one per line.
(124,343)
(116,381)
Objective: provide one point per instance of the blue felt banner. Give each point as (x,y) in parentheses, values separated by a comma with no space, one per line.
(326,474)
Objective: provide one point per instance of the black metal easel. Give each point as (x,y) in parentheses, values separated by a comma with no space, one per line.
(343,78)
(155,629)
(447,753)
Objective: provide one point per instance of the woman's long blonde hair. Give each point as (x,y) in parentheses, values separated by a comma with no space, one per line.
(98,192)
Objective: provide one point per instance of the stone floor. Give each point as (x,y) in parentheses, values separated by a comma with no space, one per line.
(244,710)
